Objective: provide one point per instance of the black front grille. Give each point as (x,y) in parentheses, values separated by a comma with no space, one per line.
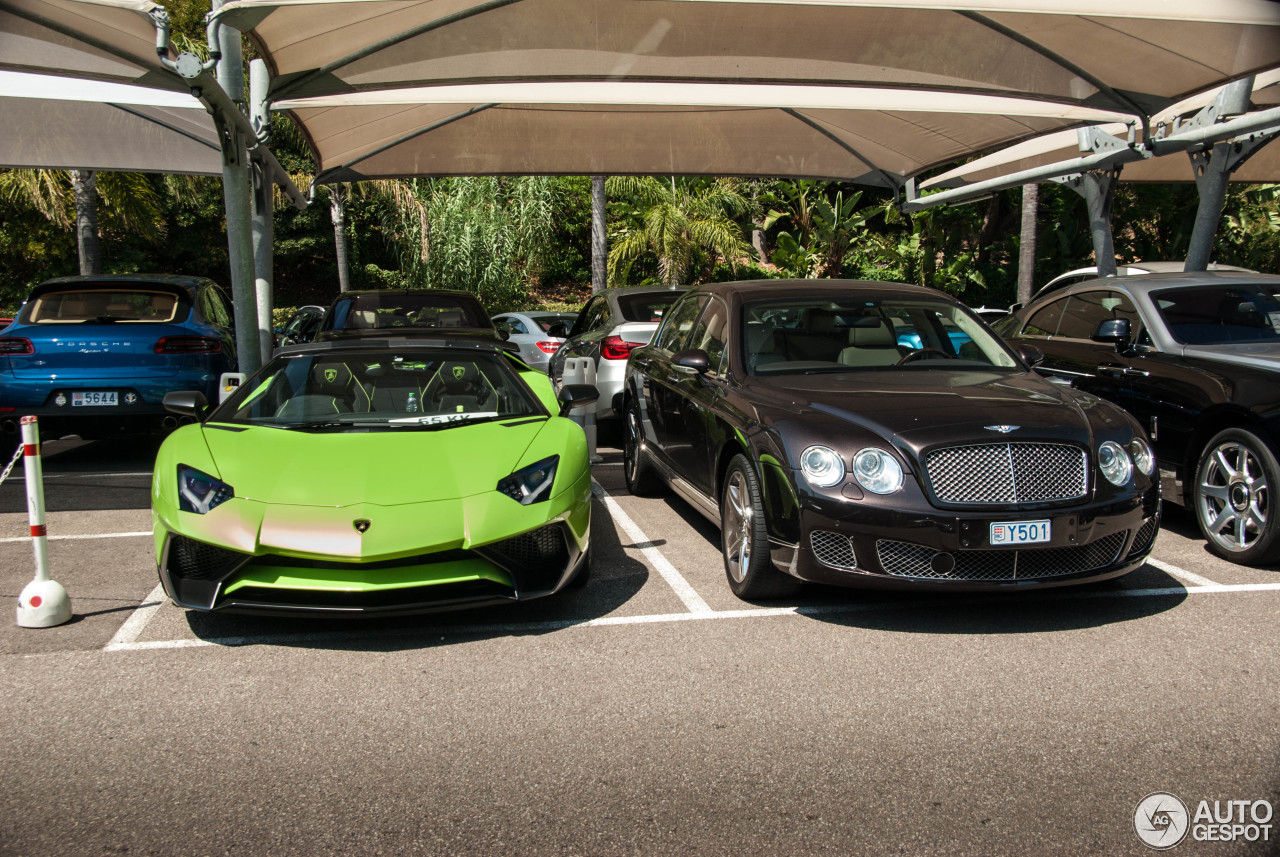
(903,559)
(1146,536)
(536,559)
(195,560)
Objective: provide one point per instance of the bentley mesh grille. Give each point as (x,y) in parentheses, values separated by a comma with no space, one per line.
(903,559)
(1146,535)
(199,561)
(1008,473)
(832,549)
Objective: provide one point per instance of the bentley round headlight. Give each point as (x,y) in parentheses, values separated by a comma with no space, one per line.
(877,471)
(1114,462)
(822,466)
(1142,457)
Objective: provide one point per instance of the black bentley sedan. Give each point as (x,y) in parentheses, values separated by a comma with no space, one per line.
(878,434)
(1196,358)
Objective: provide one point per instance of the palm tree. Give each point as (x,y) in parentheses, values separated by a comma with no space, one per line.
(677,222)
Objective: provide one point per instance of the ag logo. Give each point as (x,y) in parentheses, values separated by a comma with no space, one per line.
(362,525)
(458,372)
(1161,820)
(331,375)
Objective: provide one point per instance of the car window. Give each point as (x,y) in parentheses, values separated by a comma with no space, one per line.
(511,324)
(406,309)
(710,333)
(674,332)
(219,312)
(105,305)
(591,317)
(1086,310)
(546,322)
(649,306)
(384,388)
(1044,322)
(1219,314)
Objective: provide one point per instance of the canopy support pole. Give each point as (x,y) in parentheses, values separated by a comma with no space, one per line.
(1098,187)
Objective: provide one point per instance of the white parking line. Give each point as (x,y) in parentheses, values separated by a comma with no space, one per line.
(137,621)
(661,618)
(82,536)
(674,579)
(1180,573)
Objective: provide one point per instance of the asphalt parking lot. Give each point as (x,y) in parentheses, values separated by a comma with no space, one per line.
(650,713)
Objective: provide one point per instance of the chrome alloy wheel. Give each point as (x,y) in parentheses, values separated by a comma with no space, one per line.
(631,446)
(1233,497)
(738,521)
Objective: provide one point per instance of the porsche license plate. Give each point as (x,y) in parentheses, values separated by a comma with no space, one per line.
(1020,532)
(94,398)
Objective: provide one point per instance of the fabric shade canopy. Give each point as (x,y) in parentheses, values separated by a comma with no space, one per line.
(81,87)
(849,89)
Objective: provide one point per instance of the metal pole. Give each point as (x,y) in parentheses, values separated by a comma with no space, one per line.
(263,211)
(1212,169)
(1099,191)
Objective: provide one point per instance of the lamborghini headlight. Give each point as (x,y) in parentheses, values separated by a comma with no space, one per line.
(199,492)
(1114,462)
(877,471)
(531,484)
(1143,459)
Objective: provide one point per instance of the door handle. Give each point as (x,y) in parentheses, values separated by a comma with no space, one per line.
(1110,370)
(1127,371)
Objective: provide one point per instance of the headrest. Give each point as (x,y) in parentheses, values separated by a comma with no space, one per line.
(330,379)
(819,320)
(870,332)
(456,377)
(449,318)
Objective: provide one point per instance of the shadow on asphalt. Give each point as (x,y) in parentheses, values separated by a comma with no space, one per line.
(615,580)
(81,476)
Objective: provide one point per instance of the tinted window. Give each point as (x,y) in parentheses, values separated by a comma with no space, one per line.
(1044,322)
(592,315)
(406,309)
(710,333)
(1086,310)
(674,331)
(646,307)
(1218,314)
(103,305)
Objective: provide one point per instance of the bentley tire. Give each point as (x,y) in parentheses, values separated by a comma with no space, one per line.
(642,479)
(1232,497)
(745,537)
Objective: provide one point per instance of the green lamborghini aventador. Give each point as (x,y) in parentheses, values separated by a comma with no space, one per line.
(387,476)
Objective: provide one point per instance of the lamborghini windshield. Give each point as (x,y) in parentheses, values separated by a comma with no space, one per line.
(371,389)
(808,335)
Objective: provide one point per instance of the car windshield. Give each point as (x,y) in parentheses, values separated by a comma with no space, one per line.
(1219,314)
(646,306)
(406,309)
(97,305)
(820,334)
(380,389)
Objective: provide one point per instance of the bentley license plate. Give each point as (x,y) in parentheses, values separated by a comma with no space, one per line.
(1020,532)
(94,398)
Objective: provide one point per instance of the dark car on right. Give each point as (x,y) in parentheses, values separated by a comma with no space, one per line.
(1196,358)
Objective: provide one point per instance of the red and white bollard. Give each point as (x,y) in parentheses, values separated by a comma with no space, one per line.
(43,602)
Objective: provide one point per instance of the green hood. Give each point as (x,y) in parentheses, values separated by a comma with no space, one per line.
(387,468)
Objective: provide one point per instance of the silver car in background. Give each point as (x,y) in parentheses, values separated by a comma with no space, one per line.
(610,325)
(539,334)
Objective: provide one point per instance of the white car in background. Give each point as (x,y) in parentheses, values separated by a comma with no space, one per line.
(1079,275)
(539,334)
(611,324)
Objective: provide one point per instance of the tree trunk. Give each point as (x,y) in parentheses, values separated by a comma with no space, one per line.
(599,239)
(1027,243)
(757,226)
(338,211)
(84,183)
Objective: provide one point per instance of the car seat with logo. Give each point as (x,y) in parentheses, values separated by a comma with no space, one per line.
(458,388)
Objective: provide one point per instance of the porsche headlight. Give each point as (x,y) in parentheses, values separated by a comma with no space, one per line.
(822,466)
(531,484)
(1143,459)
(877,471)
(1114,462)
(199,492)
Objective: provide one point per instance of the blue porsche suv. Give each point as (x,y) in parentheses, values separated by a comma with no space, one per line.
(95,355)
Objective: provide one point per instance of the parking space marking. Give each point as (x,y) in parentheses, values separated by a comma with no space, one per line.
(666,618)
(137,621)
(657,561)
(82,536)
(1180,573)
(99,475)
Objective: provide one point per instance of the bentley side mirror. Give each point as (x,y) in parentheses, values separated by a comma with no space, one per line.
(576,395)
(1030,355)
(186,403)
(1115,330)
(694,359)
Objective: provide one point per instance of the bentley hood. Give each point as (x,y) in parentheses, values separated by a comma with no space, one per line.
(386,468)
